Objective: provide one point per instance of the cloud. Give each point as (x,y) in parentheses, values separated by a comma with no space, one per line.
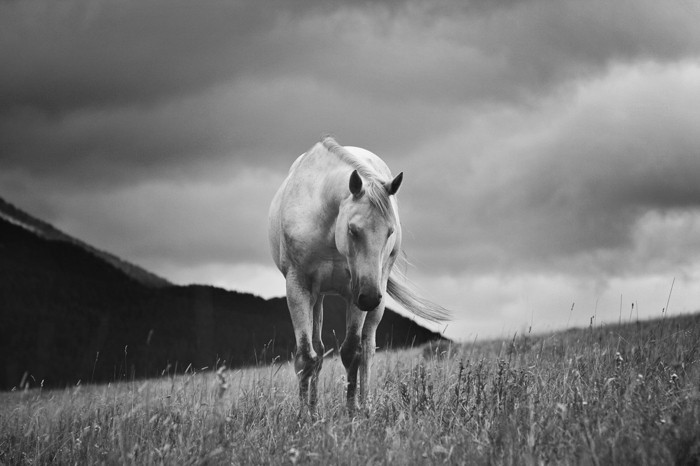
(64,56)
(498,306)
(542,187)
(265,123)
(186,223)
(147,86)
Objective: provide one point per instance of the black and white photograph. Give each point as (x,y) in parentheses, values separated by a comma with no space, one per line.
(350,232)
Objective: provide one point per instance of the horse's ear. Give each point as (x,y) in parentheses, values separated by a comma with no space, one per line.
(395,184)
(355,183)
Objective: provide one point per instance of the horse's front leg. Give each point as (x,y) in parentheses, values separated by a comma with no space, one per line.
(301,301)
(369,344)
(319,348)
(351,352)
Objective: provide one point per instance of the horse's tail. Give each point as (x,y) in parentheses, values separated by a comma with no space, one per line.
(400,289)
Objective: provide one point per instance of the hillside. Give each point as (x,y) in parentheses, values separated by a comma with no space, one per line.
(616,394)
(70,312)
(12,214)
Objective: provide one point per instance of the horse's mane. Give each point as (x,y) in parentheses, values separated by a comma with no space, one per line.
(375,187)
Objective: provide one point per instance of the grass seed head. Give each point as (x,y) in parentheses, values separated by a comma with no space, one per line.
(222,385)
(293,455)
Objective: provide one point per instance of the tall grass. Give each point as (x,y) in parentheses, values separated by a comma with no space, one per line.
(625,394)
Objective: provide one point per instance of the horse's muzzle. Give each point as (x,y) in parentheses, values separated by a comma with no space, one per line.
(368,302)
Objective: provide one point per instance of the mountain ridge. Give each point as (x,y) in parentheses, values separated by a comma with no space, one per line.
(13,214)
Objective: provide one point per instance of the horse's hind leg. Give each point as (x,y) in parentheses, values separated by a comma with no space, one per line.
(301,301)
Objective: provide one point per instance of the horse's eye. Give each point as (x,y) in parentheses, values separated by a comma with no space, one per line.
(390,232)
(353,231)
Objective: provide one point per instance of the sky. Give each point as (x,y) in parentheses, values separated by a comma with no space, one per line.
(550,149)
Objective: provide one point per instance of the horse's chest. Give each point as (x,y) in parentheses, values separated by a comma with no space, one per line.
(333,277)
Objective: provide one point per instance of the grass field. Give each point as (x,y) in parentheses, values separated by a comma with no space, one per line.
(626,394)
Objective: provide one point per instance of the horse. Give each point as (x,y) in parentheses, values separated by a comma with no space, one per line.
(334,229)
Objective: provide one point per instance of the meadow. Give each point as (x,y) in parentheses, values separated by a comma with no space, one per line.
(615,394)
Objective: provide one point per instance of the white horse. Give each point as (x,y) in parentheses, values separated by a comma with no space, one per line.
(334,229)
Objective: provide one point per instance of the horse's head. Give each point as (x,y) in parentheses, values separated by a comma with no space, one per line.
(368,234)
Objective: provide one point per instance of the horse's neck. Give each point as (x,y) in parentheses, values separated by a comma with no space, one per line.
(335,189)
(334,175)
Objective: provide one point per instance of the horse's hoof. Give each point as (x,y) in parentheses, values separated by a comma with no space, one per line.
(313,414)
(352,409)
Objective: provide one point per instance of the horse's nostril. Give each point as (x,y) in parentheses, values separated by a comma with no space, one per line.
(368,302)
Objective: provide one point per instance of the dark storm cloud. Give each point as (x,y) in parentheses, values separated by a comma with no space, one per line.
(133,86)
(63,56)
(111,147)
(265,124)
